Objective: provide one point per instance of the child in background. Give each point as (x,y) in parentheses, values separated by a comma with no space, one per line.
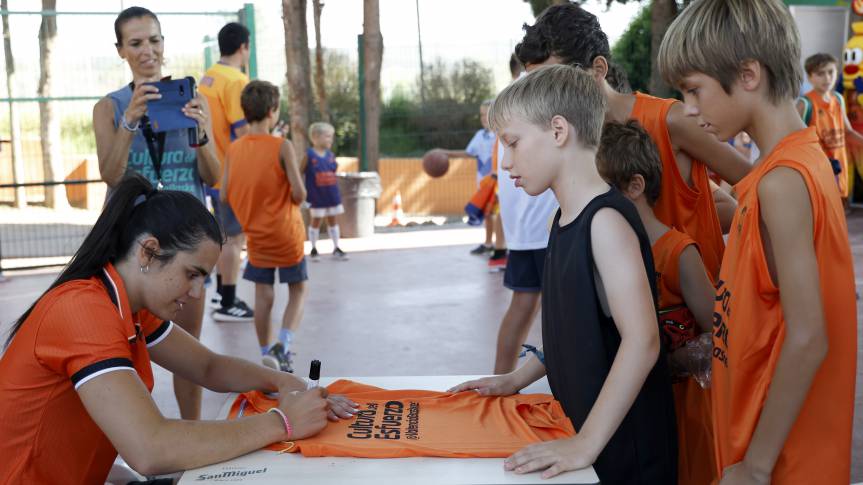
(824,108)
(785,321)
(319,166)
(481,147)
(601,343)
(263,185)
(628,159)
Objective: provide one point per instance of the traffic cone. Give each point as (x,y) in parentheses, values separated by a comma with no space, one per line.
(398,214)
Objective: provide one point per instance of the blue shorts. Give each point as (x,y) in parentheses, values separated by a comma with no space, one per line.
(524,270)
(289,275)
(224,214)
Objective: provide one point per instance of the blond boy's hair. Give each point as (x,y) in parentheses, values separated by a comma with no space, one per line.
(320,127)
(549,91)
(715,37)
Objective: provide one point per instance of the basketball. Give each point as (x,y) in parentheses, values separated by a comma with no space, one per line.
(435,163)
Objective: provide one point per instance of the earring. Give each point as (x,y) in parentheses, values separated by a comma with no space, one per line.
(145,269)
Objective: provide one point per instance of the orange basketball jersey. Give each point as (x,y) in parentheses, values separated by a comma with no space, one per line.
(260,194)
(828,118)
(689,208)
(695,464)
(749,328)
(395,424)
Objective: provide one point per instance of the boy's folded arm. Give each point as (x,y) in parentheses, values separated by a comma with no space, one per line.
(726,206)
(622,273)
(289,162)
(719,156)
(698,291)
(787,222)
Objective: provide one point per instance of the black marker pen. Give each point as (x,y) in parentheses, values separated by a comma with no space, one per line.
(314,374)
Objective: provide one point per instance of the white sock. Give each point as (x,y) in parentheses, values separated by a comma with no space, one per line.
(334,234)
(313,235)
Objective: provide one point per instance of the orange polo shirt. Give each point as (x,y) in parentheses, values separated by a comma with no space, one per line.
(689,208)
(696,464)
(396,424)
(77,331)
(260,195)
(750,328)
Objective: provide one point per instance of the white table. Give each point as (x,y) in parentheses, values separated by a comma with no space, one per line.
(266,467)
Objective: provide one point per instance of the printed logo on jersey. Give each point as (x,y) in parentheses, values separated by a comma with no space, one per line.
(720,324)
(389,421)
(740,217)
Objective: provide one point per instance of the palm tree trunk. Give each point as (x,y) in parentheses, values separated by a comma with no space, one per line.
(661,15)
(320,87)
(299,67)
(373,49)
(49,124)
(14,125)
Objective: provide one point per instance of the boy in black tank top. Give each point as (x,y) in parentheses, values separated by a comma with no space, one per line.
(599,326)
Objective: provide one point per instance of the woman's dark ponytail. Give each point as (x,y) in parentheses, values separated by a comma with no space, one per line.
(177,219)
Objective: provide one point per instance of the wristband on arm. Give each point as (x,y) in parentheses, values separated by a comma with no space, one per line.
(288,429)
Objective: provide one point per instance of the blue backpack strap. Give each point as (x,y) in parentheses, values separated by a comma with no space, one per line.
(841,100)
(807,109)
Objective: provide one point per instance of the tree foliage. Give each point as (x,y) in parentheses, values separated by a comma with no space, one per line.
(632,51)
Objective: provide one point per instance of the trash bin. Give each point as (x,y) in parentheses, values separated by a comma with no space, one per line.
(360,191)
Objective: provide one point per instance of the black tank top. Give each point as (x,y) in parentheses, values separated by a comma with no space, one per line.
(580,344)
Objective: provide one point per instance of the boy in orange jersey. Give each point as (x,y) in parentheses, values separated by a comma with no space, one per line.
(628,159)
(824,108)
(568,34)
(262,182)
(785,325)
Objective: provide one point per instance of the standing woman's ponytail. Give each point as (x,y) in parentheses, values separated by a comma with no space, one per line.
(177,219)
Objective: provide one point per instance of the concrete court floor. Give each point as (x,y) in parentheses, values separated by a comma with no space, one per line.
(430,309)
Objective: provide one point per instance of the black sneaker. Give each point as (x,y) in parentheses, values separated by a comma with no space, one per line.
(238,312)
(340,255)
(481,249)
(276,358)
(314,254)
(240,303)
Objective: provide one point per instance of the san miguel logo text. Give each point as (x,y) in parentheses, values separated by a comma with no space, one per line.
(388,421)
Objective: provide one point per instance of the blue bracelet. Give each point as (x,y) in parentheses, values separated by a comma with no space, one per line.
(533,350)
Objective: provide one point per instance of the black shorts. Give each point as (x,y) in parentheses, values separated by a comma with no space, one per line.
(224,214)
(524,270)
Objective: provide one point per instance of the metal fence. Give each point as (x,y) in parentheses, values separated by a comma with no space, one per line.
(85,68)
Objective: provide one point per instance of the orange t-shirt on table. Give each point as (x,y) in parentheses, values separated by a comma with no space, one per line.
(260,195)
(403,423)
(750,328)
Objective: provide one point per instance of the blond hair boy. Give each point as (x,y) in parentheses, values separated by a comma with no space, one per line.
(601,342)
(786,319)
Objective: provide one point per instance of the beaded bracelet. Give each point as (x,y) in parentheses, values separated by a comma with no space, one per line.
(288,430)
(129,128)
